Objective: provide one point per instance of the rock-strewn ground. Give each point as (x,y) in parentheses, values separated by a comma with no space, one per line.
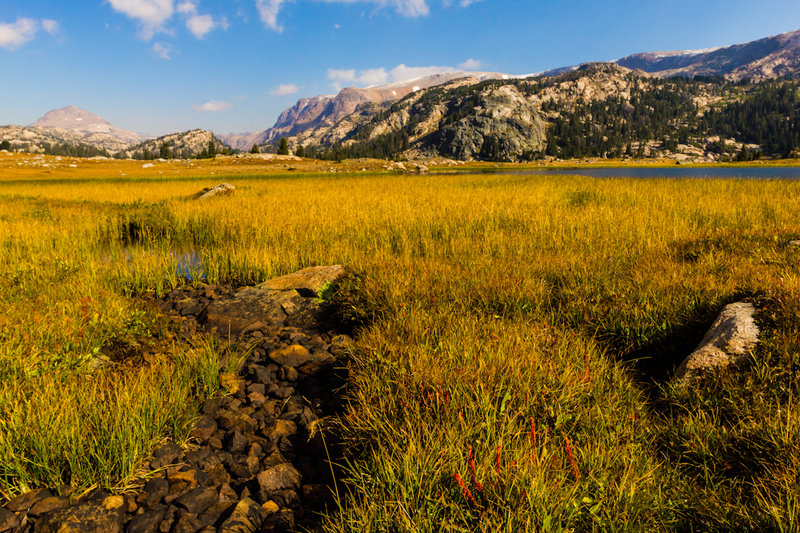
(259,458)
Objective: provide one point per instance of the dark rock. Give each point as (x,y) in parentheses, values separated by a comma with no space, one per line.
(260,388)
(285,498)
(288,373)
(8,520)
(214,514)
(317,495)
(23,502)
(169,452)
(48,504)
(197,456)
(146,522)
(235,442)
(156,489)
(247,517)
(281,521)
(279,477)
(187,523)
(204,428)
(97,516)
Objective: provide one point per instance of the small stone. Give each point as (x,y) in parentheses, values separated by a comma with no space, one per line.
(235,442)
(188,523)
(198,500)
(289,373)
(130,504)
(270,508)
(169,452)
(189,477)
(204,428)
(794,243)
(257,399)
(259,388)
(155,489)
(292,355)
(146,522)
(280,477)
(247,517)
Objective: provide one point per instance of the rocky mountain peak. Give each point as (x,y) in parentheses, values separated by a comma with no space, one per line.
(79,121)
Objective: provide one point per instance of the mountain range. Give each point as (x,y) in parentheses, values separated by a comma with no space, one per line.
(357,115)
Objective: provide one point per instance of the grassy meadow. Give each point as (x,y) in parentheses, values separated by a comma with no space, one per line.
(515,338)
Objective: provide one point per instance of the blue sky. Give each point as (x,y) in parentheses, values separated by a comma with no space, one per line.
(158,66)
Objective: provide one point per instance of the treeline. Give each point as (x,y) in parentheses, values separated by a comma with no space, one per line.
(769,116)
(387,146)
(73,150)
(168,150)
(766,114)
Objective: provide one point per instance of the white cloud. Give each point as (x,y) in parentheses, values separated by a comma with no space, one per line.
(268,11)
(213,106)
(402,72)
(50,26)
(373,76)
(285,89)
(376,76)
(14,35)
(161,51)
(471,64)
(200,25)
(151,14)
(186,8)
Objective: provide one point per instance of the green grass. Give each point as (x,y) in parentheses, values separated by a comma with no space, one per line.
(511,316)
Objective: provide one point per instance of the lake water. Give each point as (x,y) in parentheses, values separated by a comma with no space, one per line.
(676,172)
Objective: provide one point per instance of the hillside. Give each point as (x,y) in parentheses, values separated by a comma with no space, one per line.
(766,58)
(183,145)
(325,111)
(599,110)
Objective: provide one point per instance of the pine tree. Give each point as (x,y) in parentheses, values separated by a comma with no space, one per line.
(300,151)
(283,148)
(254,149)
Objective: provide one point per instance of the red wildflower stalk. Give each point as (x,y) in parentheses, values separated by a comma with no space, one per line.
(497,464)
(572,461)
(475,481)
(465,489)
(533,433)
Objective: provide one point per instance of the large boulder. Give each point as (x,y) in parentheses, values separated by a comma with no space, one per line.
(276,302)
(96,516)
(223,189)
(730,341)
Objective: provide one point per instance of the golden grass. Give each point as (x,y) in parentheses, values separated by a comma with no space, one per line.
(503,310)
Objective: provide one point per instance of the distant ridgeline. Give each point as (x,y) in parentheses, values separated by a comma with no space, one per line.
(598,110)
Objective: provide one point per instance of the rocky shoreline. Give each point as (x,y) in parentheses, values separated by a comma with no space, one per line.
(258,459)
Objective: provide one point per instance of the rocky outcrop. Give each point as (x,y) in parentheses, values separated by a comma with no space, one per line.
(730,341)
(186,145)
(501,125)
(258,458)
